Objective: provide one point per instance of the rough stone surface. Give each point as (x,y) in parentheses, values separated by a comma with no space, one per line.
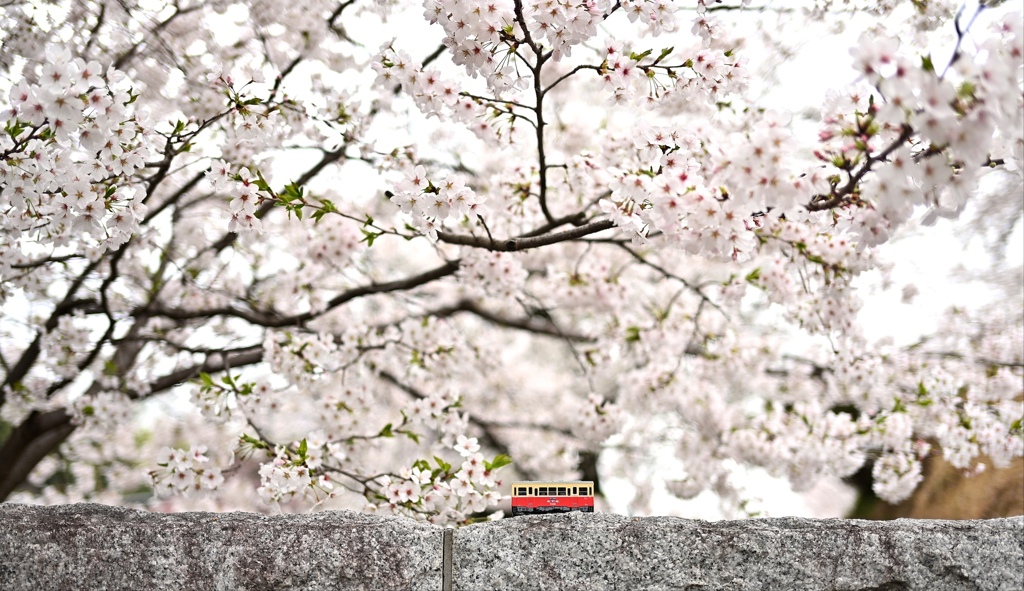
(607,552)
(93,547)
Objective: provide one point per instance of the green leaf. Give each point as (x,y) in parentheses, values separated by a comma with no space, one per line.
(639,56)
(386,431)
(926,64)
(262,182)
(303,448)
(966,90)
(293,192)
(255,443)
(14,128)
(369,237)
(633,334)
(326,207)
(443,464)
(753,275)
(500,460)
(411,435)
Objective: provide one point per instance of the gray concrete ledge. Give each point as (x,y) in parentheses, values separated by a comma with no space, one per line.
(611,552)
(93,547)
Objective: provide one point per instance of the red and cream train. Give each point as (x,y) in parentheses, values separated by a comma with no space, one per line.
(552,497)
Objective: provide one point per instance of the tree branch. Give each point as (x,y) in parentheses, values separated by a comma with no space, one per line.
(525,324)
(526,242)
(271,319)
(30,442)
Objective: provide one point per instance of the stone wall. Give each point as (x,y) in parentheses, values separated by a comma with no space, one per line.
(92,547)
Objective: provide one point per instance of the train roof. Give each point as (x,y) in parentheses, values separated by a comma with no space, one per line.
(552,482)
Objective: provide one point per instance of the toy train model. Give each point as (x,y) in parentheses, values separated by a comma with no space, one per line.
(531,498)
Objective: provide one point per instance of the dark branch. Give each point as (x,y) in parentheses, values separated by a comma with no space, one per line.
(525,242)
(532,324)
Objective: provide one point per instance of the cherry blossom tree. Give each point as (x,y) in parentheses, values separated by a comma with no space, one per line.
(342,253)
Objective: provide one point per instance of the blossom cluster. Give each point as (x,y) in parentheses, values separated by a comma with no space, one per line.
(430,204)
(710,75)
(72,143)
(929,129)
(497,273)
(669,195)
(443,494)
(185,471)
(295,473)
(322,466)
(433,93)
(599,419)
(243,190)
(438,412)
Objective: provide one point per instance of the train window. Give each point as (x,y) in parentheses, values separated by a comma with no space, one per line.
(574,490)
(521,490)
(583,490)
(542,491)
(562,491)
